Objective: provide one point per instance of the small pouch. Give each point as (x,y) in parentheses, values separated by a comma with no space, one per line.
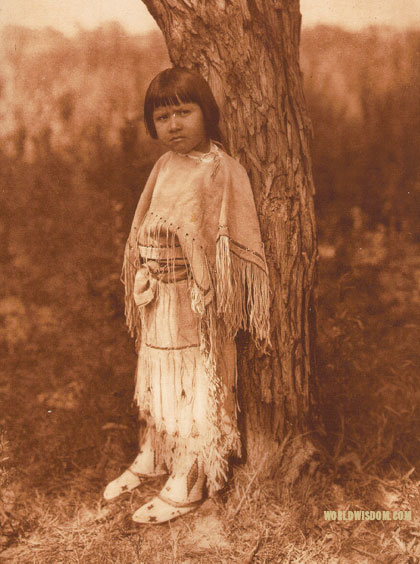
(144,287)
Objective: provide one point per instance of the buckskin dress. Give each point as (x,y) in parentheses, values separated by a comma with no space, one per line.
(198,275)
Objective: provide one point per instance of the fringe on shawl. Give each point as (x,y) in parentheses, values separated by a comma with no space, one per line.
(133,315)
(243,294)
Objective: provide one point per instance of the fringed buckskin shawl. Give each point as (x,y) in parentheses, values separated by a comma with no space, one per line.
(209,204)
(206,206)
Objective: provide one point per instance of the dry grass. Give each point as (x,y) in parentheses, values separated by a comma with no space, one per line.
(273,525)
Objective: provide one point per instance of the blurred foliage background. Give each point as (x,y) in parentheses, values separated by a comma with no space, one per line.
(73,159)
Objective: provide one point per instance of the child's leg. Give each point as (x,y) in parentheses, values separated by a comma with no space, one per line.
(182,493)
(143,466)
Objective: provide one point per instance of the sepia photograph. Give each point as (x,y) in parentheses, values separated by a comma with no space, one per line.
(210,282)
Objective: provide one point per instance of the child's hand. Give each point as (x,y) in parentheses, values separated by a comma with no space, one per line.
(144,287)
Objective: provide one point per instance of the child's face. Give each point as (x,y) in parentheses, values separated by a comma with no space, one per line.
(181,127)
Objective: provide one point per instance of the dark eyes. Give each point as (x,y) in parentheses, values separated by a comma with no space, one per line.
(164,117)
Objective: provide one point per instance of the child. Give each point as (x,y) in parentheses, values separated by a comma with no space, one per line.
(194,273)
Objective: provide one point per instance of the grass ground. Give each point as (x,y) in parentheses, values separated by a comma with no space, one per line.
(253,523)
(68,426)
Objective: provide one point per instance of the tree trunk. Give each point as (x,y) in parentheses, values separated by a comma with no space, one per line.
(248,51)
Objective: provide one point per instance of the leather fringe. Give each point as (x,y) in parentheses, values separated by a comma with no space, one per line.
(172,451)
(242,301)
(243,294)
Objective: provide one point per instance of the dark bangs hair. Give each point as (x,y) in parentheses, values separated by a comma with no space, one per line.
(176,86)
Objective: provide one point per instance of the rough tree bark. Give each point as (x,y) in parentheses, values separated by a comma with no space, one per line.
(248,50)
